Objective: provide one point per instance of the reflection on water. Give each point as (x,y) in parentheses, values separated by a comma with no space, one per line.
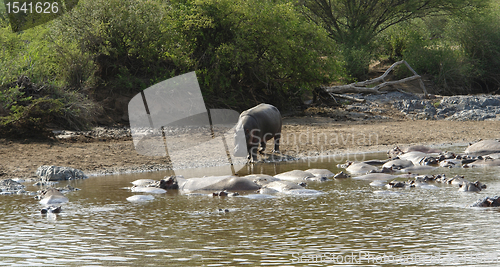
(99,227)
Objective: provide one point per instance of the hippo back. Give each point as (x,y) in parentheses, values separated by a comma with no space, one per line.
(257,124)
(483,148)
(218,183)
(267,117)
(52,196)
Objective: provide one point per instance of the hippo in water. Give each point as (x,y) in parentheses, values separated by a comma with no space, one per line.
(472,187)
(483,163)
(214,183)
(359,168)
(483,148)
(488,202)
(261,179)
(450,163)
(424,149)
(321,173)
(300,176)
(419,158)
(279,186)
(287,187)
(52,196)
(258,124)
(398,164)
(341,175)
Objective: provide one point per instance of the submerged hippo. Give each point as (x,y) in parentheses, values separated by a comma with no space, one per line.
(399,184)
(421,148)
(149,186)
(398,164)
(456,180)
(472,187)
(51,209)
(483,148)
(214,183)
(258,124)
(261,179)
(287,187)
(483,163)
(424,149)
(323,173)
(341,175)
(52,196)
(299,176)
(279,186)
(492,156)
(418,168)
(360,168)
(376,177)
(488,202)
(450,163)
(418,158)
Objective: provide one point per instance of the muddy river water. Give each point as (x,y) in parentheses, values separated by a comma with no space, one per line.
(352,224)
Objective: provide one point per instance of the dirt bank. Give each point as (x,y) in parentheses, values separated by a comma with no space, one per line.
(302,136)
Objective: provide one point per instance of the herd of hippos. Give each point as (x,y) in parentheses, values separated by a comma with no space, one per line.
(263,122)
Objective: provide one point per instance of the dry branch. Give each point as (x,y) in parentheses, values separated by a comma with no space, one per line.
(333,95)
(360,87)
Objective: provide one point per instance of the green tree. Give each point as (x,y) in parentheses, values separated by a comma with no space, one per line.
(355,24)
(260,51)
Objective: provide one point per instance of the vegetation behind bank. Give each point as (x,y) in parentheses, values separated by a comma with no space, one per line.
(243,52)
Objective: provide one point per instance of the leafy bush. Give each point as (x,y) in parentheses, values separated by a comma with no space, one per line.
(28,109)
(49,96)
(259,51)
(31,120)
(243,52)
(357,61)
(461,51)
(444,62)
(130,43)
(478,37)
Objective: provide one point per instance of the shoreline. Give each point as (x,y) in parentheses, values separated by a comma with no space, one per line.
(106,156)
(343,154)
(102,156)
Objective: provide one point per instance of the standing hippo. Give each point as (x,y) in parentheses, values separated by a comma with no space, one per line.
(258,124)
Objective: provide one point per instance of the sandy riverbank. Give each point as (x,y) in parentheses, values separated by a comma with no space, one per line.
(302,136)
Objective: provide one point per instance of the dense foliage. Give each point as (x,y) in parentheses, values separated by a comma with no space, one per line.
(356,24)
(244,52)
(461,52)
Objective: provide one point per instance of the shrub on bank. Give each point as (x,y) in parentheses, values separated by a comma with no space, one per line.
(28,109)
(243,52)
(460,51)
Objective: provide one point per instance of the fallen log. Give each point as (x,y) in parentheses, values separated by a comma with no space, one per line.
(346,97)
(361,87)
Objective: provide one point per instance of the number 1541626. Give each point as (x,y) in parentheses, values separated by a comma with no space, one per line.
(30,7)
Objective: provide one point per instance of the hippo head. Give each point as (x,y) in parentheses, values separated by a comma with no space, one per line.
(49,192)
(394,152)
(494,202)
(169,182)
(429,161)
